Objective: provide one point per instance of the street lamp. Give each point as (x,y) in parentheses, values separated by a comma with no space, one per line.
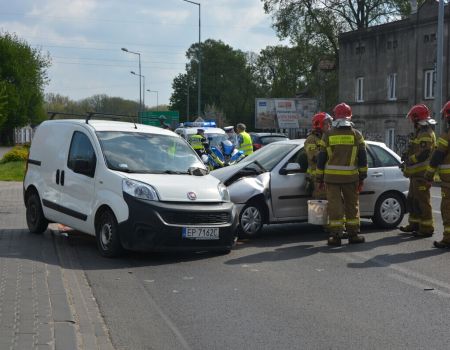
(198,54)
(157,104)
(140,82)
(143,96)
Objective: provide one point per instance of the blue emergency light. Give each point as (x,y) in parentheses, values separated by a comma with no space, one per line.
(206,124)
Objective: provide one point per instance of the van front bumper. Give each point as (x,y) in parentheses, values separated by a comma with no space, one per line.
(158,226)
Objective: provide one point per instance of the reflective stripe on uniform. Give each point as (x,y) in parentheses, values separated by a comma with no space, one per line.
(431,169)
(311,147)
(352,222)
(442,142)
(446,229)
(341,140)
(413,220)
(416,168)
(413,158)
(422,188)
(423,139)
(426,222)
(340,170)
(321,143)
(364,169)
(329,152)
(444,169)
(336,223)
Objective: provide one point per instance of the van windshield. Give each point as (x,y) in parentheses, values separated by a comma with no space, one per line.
(135,152)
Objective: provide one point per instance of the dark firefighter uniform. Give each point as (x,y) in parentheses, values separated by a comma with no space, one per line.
(312,147)
(440,162)
(417,159)
(342,165)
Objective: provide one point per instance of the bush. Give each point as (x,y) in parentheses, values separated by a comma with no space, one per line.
(17,153)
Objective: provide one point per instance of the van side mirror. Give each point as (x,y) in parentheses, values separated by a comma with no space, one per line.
(85,167)
(291,168)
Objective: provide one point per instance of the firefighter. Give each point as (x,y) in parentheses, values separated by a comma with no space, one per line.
(440,161)
(321,123)
(420,221)
(342,167)
(245,143)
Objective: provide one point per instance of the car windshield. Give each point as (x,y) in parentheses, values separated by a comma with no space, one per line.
(270,155)
(215,139)
(135,152)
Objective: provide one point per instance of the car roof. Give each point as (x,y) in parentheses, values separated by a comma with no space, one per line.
(208,130)
(108,125)
(262,134)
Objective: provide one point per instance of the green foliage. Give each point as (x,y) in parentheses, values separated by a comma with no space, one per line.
(22,77)
(226,82)
(96,103)
(18,153)
(12,171)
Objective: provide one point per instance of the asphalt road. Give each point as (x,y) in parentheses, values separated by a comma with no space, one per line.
(284,290)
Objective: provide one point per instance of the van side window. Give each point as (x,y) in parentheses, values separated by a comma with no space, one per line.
(82,157)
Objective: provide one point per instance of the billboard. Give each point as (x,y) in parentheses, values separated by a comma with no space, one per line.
(284,113)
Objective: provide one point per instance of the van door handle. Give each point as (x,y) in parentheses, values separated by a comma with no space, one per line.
(377,174)
(57,177)
(62,178)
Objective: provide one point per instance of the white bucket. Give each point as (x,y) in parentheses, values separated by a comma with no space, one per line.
(318,212)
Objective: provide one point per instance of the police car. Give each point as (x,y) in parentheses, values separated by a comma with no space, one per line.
(213,134)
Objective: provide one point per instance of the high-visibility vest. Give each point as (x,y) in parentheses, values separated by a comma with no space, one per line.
(247,145)
(196,142)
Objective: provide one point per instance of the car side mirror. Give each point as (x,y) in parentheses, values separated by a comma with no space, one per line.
(85,167)
(291,168)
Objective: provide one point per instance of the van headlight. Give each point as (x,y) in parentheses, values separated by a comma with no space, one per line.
(139,190)
(224,194)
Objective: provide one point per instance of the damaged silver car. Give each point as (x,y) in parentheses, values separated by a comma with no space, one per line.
(268,186)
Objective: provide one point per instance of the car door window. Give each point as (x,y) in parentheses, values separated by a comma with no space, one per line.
(300,158)
(384,157)
(81,149)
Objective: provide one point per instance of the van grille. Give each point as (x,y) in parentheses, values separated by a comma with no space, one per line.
(179,218)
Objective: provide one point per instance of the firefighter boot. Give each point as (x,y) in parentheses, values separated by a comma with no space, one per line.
(355,239)
(334,240)
(410,228)
(442,244)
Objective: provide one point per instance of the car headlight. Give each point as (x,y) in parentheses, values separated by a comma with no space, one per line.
(139,190)
(223,190)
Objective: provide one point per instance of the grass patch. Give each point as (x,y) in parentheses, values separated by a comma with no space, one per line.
(12,171)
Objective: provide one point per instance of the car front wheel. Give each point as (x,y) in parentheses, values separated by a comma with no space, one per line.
(389,210)
(251,220)
(107,235)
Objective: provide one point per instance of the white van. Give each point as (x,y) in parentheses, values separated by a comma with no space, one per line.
(133,186)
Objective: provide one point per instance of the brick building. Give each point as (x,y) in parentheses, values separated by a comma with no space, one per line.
(385,69)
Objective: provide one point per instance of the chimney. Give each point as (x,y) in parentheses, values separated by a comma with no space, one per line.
(413,6)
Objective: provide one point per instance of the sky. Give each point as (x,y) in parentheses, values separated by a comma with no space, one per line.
(84,40)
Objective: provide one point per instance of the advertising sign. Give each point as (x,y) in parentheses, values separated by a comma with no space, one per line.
(286,113)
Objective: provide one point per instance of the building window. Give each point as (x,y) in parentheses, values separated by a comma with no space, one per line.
(390,138)
(359,89)
(392,86)
(429,84)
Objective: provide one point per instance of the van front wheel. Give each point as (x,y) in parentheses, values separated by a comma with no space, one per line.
(107,235)
(36,221)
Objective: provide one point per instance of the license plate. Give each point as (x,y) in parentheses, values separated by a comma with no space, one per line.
(202,233)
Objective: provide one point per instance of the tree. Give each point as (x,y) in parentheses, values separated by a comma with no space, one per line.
(23,76)
(320,21)
(227,82)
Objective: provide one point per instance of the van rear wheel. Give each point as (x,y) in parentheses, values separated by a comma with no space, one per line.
(36,221)
(107,235)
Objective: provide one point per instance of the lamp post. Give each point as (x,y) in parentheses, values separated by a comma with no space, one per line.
(140,82)
(143,95)
(157,103)
(198,55)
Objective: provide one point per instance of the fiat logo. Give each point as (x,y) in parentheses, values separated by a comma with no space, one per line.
(192,196)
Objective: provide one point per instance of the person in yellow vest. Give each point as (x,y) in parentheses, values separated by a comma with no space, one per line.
(245,143)
(321,123)
(199,142)
(342,167)
(420,220)
(440,162)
